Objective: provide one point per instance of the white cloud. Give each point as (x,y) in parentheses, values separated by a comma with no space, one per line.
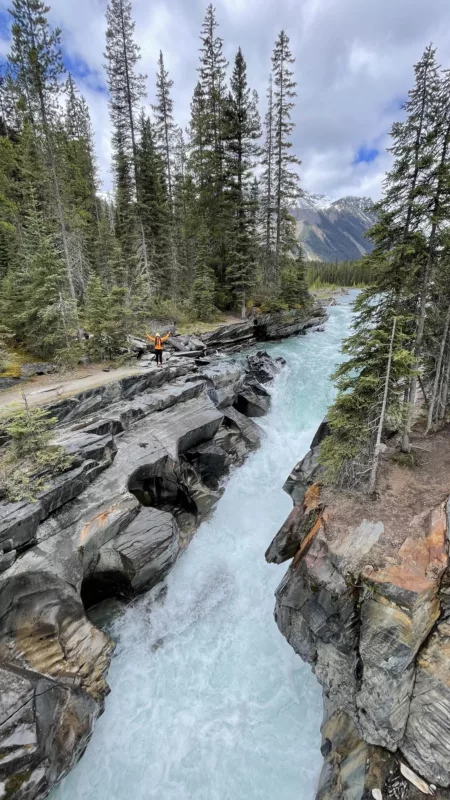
(354,65)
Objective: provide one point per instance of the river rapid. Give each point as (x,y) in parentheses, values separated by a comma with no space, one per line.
(208,701)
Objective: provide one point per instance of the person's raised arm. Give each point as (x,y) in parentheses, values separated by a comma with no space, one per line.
(150,337)
(166,336)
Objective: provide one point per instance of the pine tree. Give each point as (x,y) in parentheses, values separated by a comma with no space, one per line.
(154,211)
(210,101)
(165,128)
(349,451)
(77,170)
(286,178)
(293,282)
(36,68)
(41,314)
(126,88)
(267,201)
(437,189)
(197,135)
(243,130)
(124,226)
(184,214)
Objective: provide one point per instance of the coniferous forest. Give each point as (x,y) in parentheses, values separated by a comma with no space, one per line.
(199,221)
(399,350)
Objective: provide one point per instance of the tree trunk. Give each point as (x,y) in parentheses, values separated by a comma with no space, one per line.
(376,458)
(438,372)
(444,391)
(243,306)
(145,258)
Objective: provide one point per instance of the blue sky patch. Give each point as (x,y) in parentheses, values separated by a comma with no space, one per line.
(81,71)
(366,155)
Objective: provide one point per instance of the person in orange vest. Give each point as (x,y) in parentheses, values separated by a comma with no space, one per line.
(158,340)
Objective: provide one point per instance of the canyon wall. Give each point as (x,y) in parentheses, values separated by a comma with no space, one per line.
(365,602)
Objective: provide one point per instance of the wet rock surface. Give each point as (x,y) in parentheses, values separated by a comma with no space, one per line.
(264,327)
(370,617)
(149,454)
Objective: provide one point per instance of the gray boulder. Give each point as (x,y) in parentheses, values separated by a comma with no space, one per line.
(141,555)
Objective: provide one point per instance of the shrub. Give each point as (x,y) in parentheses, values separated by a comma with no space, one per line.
(29,459)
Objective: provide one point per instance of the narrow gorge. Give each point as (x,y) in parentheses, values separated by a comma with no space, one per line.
(149,455)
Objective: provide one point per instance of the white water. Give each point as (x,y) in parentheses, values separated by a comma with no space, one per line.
(223,709)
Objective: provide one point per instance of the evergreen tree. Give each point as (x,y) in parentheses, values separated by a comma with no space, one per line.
(210,102)
(154,210)
(40,312)
(348,452)
(184,214)
(165,128)
(36,68)
(126,88)
(77,169)
(243,130)
(437,191)
(267,199)
(286,178)
(293,282)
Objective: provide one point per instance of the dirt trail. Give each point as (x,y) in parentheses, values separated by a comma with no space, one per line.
(44,389)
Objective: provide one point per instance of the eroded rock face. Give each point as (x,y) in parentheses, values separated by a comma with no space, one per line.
(52,681)
(367,617)
(264,327)
(147,469)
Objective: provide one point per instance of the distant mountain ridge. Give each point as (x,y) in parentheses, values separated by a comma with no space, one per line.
(333,230)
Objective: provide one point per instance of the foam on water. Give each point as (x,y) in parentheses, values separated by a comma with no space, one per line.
(208,700)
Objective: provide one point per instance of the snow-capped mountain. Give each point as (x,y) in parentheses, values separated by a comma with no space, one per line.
(333,230)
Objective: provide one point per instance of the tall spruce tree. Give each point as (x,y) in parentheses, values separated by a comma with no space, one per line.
(36,302)
(242,132)
(126,88)
(165,128)
(267,197)
(208,127)
(286,178)
(154,210)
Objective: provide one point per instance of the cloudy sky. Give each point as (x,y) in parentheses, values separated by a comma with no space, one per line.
(353,69)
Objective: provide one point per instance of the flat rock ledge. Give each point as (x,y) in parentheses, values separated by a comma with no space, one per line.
(372,621)
(149,455)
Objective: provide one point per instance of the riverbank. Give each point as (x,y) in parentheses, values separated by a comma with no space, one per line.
(42,384)
(149,453)
(207,699)
(365,603)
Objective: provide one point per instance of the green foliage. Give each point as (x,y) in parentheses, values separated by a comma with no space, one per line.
(353,418)
(293,283)
(5,339)
(109,318)
(29,461)
(408,280)
(203,290)
(343,273)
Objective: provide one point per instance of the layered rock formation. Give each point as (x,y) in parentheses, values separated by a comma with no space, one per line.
(149,455)
(262,328)
(365,602)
